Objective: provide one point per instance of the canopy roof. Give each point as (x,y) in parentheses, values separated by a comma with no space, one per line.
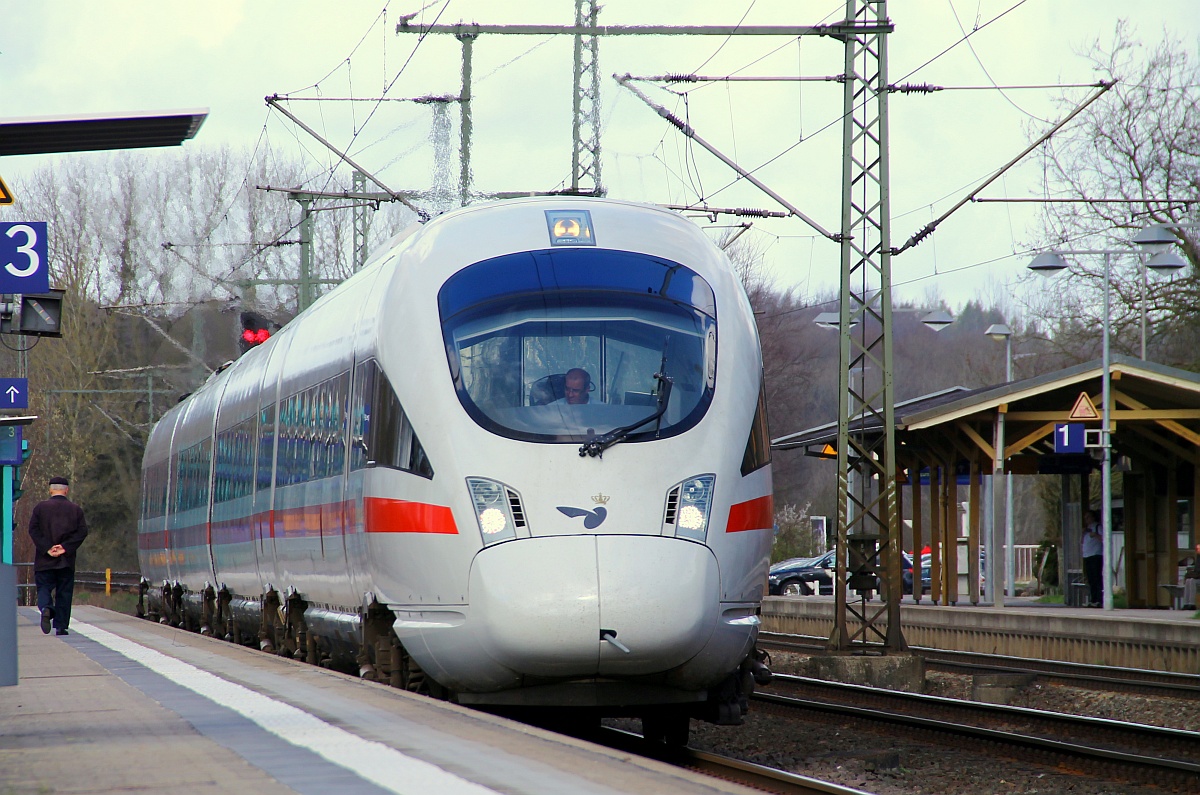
(1155,411)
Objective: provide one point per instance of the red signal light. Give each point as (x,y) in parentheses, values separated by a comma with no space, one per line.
(255,331)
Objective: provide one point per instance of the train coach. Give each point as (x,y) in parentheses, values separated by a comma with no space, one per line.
(520,460)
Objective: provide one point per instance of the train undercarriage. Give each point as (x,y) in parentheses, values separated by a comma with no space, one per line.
(287,625)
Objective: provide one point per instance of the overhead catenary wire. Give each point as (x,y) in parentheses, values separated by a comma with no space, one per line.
(687,130)
(246,179)
(838,119)
(987,74)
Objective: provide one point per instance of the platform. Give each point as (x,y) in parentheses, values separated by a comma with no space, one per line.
(122,704)
(1159,640)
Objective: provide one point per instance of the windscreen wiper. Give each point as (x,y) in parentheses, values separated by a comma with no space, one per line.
(596,447)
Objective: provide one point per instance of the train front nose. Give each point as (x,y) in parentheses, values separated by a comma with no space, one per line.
(545,603)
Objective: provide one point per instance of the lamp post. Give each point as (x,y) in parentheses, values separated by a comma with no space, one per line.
(1158,239)
(1049,263)
(999,331)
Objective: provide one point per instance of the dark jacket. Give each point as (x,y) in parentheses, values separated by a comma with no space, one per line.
(56,521)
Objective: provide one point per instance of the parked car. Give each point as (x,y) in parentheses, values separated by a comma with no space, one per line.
(808,576)
(803,576)
(926,579)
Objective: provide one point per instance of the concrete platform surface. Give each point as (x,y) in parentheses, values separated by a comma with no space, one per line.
(124,705)
(1160,640)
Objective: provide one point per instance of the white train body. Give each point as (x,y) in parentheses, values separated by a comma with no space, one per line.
(405,442)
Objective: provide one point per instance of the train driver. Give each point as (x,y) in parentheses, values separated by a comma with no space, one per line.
(577,385)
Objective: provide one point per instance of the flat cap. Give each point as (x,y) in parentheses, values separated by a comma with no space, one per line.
(59,481)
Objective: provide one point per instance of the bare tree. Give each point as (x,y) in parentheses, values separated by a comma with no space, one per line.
(1141,144)
(154,252)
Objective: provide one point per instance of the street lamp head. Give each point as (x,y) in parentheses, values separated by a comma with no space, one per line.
(1048,263)
(832,320)
(1166,262)
(938,320)
(1155,237)
(999,332)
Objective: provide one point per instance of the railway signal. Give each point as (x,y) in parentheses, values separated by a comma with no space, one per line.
(255,331)
(33,315)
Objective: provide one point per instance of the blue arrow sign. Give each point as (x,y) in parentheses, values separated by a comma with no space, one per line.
(14,393)
(24,267)
(1069,437)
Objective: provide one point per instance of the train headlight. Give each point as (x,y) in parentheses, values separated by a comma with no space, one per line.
(688,507)
(497,509)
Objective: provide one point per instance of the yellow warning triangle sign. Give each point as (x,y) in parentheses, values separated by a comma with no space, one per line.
(6,196)
(1084,409)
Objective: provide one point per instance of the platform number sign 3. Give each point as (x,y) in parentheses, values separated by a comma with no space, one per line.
(23,262)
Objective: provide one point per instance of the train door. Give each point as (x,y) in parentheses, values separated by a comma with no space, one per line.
(266,522)
(336,514)
(362,382)
(260,509)
(165,546)
(207,559)
(189,554)
(234,542)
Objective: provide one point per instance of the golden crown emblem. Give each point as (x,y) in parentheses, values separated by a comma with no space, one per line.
(600,499)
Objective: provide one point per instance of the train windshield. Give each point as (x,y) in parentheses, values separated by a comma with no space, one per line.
(564,345)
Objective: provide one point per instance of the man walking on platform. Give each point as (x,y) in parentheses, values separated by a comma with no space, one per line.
(57,528)
(1093,558)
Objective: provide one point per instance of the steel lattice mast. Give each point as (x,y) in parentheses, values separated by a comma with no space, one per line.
(585,129)
(868,515)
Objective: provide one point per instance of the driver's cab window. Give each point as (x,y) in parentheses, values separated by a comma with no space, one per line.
(565,365)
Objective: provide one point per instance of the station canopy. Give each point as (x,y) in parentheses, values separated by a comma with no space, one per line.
(1155,415)
(45,135)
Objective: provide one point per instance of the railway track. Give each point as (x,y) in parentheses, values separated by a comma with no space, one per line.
(1094,747)
(726,768)
(1121,680)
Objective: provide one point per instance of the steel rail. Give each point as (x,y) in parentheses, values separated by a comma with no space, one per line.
(726,768)
(1100,761)
(1170,683)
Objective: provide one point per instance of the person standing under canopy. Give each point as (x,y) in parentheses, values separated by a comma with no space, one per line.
(1092,548)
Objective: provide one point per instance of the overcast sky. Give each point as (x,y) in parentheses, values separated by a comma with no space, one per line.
(81,57)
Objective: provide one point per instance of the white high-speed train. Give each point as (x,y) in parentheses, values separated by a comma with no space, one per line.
(400,475)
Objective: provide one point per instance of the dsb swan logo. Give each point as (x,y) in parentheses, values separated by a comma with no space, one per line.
(591,519)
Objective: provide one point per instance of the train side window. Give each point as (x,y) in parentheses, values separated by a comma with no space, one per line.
(380,430)
(335,430)
(234,462)
(266,446)
(284,463)
(389,424)
(222,479)
(192,484)
(758,446)
(154,488)
(360,415)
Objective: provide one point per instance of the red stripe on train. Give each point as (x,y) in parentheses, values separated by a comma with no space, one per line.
(756,514)
(400,516)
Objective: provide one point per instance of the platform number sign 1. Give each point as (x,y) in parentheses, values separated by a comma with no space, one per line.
(1069,437)
(24,267)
